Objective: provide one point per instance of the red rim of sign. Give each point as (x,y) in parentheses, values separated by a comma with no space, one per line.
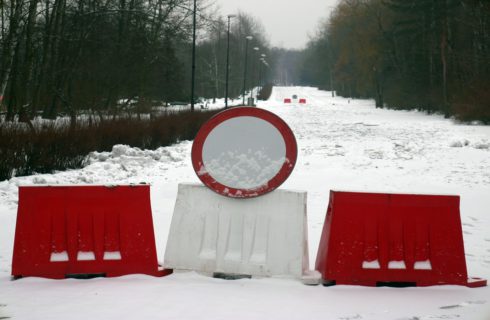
(274,182)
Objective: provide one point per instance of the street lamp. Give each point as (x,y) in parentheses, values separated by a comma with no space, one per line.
(193,77)
(247,39)
(228,59)
(255,69)
(264,76)
(256,49)
(259,75)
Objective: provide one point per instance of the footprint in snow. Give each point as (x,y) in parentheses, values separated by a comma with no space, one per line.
(463,304)
(374,154)
(454,306)
(476,302)
(3,317)
(357,316)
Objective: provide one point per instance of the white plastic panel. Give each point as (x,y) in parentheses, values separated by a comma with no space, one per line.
(264,236)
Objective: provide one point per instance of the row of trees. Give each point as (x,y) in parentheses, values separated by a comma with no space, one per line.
(426,54)
(73,55)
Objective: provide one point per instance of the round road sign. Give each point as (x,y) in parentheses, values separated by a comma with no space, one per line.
(244,152)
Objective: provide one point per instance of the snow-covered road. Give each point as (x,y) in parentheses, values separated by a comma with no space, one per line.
(343,144)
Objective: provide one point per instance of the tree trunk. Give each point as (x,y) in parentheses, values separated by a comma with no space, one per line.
(26,98)
(10,46)
(58,16)
(444,64)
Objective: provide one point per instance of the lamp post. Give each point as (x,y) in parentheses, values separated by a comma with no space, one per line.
(264,76)
(193,77)
(228,60)
(256,49)
(259,75)
(247,39)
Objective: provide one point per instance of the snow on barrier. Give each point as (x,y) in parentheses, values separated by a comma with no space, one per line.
(287,100)
(65,231)
(263,236)
(377,239)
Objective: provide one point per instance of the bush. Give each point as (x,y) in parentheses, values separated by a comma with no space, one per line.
(265,92)
(51,147)
(473,103)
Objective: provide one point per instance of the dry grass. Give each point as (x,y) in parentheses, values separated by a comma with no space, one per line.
(473,104)
(52,147)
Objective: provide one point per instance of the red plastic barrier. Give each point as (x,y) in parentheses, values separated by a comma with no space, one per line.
(287,100)
(84,230)
(303,101)
(400,239)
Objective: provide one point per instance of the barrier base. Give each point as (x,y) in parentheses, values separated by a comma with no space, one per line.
(472,283)
(231,276)
(476,282)
(311,278)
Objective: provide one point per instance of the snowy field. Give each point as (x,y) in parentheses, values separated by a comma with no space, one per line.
(343,144)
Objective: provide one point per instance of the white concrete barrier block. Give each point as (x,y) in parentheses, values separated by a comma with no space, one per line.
(263,236)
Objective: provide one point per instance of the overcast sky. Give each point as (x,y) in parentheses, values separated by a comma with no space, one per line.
(287,22)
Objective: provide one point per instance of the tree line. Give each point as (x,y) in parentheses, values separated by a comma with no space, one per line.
(211,63)
(74,56)
(432,55)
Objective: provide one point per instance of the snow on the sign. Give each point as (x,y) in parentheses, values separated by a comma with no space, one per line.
(244,152)
(248,170)
(343,144)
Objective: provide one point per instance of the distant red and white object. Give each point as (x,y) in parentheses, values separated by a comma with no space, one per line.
(295,99)
(244,152)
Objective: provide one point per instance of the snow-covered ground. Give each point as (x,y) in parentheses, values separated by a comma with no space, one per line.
(343,144)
